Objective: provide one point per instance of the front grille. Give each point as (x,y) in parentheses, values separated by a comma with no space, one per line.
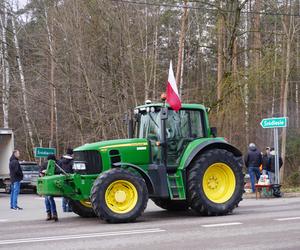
(92,161)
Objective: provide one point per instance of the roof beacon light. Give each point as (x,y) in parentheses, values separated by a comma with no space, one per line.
(148,102)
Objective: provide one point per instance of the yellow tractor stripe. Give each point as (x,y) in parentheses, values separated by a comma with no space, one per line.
(137,144)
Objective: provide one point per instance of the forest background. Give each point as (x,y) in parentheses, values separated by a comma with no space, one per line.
(70,69)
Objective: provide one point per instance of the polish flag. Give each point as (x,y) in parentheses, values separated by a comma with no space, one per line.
(172,92)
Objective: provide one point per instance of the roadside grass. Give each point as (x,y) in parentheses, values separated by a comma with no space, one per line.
(290,189)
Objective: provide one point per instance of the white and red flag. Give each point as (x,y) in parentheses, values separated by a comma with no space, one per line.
(172,92)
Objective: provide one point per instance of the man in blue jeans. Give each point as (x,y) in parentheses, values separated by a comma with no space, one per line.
(49,200)
(51,208)
(16,176)
(253,159)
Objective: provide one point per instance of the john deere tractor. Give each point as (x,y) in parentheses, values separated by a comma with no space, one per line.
(173,158)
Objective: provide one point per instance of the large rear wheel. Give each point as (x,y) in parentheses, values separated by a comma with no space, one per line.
(119,196)
(215,183)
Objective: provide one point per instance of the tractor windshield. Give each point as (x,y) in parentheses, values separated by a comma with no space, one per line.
(182,124)
(182,127)
(149,125)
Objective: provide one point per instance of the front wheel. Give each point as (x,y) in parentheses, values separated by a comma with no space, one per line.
(215,183)
(119,196)
(83,208)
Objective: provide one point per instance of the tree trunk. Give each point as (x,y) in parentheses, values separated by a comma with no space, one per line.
(256,57)
(289,30)
(54,125)
(5,69)
(220,67)
(22,80)
(235,61)
(181,44)
(246,86)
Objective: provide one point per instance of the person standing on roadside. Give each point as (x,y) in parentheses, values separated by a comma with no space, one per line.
(271,169)
(66,164)
(253,159)
(266,161)
(49,200)
(16,176)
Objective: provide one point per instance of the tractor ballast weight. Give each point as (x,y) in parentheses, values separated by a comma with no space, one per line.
(173,158)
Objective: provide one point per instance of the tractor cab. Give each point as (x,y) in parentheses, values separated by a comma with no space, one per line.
(170,130)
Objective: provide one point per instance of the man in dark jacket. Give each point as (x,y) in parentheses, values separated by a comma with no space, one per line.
(271,169)
(266,160)
(253,159)
(66,164)
(16,176)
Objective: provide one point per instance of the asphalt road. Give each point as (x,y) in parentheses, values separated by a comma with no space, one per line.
(255,224)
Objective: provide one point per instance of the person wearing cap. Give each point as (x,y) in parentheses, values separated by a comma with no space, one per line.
(253,160)
(66,164)
(266,161)
(49,200)
(271,169)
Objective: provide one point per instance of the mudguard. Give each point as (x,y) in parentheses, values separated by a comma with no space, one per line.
(202,145)
(145,176)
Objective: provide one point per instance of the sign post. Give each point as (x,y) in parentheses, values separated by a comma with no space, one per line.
(275,123)
(40,152)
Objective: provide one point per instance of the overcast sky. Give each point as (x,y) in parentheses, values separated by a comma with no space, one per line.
(20,3)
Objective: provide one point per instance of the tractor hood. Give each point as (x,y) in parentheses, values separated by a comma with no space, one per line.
(113,144)
(135,151)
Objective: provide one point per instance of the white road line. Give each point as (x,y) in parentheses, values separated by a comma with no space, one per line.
(288,218)
(80,236)
(223,224)
(3,220)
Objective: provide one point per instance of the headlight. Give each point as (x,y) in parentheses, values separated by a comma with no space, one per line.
(79,166)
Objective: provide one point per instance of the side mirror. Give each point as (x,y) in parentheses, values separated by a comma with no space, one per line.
(164,114)
(213,131)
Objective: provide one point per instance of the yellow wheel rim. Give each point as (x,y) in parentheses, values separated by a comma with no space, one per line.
(219,182)
(121,196)
(86,203)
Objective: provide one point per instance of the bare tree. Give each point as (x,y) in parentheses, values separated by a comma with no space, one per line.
(5,67)
(22,80)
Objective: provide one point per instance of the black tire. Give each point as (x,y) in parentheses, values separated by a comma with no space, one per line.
(81,210)
(171,205)
(198,200)
(100,187)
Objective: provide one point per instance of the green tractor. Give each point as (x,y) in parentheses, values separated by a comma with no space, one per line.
(173,158)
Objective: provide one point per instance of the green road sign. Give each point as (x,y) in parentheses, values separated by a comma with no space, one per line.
(274,122)
(43,152)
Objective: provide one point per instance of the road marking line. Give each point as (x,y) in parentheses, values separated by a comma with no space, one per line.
(289,218)
(223,224)
(80,236)
(3,220)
